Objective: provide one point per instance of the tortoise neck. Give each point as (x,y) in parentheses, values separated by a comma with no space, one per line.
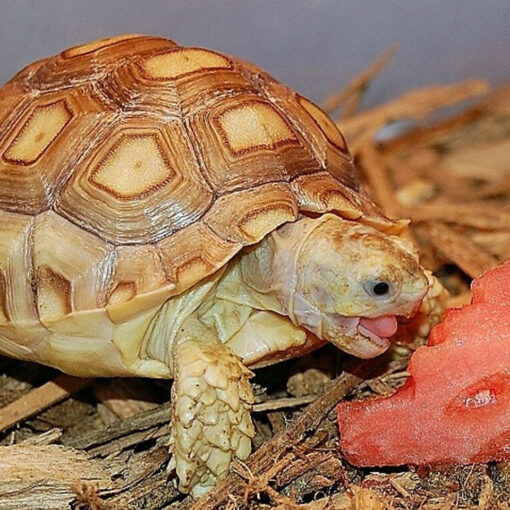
(270,268)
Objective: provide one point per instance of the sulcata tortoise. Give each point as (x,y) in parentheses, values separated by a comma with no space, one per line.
(173,212)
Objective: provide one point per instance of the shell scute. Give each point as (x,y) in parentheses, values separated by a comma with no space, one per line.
(42,128)
(16,293)
(321,192)
(192,253)
(246,216)
(92,61)
(71,278)
(136,166)
(40,148)
(136,270)
(245,141)
(181,62)
(140,183)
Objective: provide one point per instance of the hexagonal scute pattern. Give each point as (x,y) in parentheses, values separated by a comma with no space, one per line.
(135,167)
(140,183)
(38,132)
(253,125)
(149,165)
(181,62)
(42,145)
(93,61)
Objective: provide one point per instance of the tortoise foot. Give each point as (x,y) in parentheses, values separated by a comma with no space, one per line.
(211,423)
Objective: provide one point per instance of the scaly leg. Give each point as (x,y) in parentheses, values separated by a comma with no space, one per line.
(211,422)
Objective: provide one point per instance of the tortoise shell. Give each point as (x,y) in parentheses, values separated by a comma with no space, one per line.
(132,168)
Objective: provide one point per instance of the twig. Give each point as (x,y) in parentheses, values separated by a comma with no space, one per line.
(309,464)
(148,420)
(401,490)
(413,105)
(39,399)
(358,85)
(283,403)
(460,250)
(49,437)
(272,452)
(441,132)
(378,178)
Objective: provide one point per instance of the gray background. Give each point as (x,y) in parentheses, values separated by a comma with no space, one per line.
(313,45)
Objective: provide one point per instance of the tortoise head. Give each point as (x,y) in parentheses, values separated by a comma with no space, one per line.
(349,282)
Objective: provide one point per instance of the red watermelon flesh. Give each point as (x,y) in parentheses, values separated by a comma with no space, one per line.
(463,323)
(455,406)
(493,286)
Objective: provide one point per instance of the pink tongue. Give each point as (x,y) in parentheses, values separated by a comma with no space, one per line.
(383,327)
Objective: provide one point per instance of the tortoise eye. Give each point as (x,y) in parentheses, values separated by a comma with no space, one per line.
(378,288)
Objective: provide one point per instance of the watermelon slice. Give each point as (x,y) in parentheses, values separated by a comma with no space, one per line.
(493,286)
(455,406)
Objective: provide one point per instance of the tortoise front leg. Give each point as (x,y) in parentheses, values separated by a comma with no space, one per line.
(267,337)
(211,401)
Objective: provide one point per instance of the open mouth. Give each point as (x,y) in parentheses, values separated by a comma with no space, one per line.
(363,337)
(377,331)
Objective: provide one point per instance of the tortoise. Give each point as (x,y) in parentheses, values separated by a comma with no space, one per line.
(173,212)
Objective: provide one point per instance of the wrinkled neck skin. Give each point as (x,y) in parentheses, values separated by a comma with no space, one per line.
(272,269)
(316,271)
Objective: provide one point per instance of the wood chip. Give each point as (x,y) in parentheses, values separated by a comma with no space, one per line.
(283,403)
(40,477)
(401,490)
(483,161)
(46,438)
(40,398)
(413,105)
(496,243)
(443,132)
(479,216)
(367,499)
(382,191)
(460,250)
(486,498)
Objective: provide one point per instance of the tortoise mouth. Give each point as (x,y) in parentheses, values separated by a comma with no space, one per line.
(379,327)
(365,337)
(377,332)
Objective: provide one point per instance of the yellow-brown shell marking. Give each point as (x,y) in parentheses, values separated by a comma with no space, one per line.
(130,169)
